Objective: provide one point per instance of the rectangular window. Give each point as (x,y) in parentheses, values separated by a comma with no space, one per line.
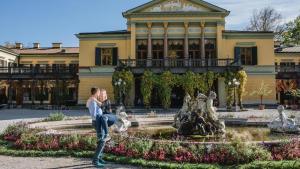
(106,56)
(157,53)
(210,48)
(26,94)
(176,49)
(142,49)
(194,49)
(246,56)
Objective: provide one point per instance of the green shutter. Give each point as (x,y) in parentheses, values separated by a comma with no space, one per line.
(115,57)
(254,55)
(237,54)
(98,57)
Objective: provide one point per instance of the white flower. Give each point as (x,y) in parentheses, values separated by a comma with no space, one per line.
(120,80)
(124,83)
(237,83)
(229,83)
(234,80)
(119,83)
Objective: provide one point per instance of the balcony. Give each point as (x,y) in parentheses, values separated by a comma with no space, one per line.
(179,65)
(287,69)
(27,73)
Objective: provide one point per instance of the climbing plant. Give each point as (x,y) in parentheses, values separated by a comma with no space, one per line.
(241,76)
(147,84)
(122,80)
(228,76)
(165,83)
(205,81)
(188,81)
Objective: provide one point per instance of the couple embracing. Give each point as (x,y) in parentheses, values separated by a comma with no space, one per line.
(102,118)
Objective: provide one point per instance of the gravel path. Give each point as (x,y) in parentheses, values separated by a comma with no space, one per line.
(52,163)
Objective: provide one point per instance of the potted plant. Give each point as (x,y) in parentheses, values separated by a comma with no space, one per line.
(262,91)
(295,93)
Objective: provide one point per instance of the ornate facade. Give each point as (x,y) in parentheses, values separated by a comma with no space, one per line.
(176,35)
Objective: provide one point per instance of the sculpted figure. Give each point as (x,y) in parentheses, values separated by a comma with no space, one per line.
(283,123)
(122,123)
(198,116)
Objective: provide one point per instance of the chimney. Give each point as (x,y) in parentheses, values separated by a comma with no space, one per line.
(19,45)
(36,45)
(56,45)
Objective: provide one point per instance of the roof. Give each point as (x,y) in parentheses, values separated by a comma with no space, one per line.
(238,31)
(107,32)
(7,50)
(63,50)
(154,2)
(294,49)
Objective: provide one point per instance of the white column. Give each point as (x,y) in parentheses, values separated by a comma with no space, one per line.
(149,53)
(133,41)
(166,43)
(186,43)
(202,40)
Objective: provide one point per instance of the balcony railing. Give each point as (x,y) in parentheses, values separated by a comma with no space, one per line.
(177,63)
(291,68)
(35,70)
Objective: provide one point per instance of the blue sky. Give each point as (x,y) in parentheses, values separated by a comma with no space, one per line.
(48,21)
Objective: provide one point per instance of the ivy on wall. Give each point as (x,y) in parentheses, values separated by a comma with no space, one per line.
(165,83)
(228,75)
(188,81)
(147,84)
(125,76)
(241,76)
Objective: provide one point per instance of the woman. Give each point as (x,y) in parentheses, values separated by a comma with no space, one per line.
(106,108)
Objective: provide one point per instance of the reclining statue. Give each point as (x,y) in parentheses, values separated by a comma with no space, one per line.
(283,124)
(122,124)
(198,117)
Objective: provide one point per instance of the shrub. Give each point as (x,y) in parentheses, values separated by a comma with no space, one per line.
(59,116)
(14,131)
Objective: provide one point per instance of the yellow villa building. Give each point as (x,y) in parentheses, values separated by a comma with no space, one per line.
(173,35)
(183,30)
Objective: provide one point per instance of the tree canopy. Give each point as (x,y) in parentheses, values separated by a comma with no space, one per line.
(291,35)
(266,19)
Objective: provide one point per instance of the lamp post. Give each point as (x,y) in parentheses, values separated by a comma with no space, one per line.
(121,85)
(234,84)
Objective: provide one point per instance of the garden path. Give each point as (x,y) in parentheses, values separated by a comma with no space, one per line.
(7,162)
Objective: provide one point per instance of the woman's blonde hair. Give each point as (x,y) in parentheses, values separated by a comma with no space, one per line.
(102,91)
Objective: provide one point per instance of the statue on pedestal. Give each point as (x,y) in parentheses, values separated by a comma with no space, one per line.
(198,117)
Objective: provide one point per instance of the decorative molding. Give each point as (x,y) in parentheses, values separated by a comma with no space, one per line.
(245,44)
(260,70)
(208,22)
(104,37)
(106,45)
(175,6)
(96,71)
(232,35)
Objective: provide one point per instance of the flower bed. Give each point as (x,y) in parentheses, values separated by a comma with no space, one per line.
(237,152)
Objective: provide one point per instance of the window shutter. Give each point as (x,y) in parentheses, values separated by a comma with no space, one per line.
(254,55)
(98,57)
(237,54)
(115,57)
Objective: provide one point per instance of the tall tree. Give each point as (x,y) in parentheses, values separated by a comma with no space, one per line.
(266,19)
(291,35)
